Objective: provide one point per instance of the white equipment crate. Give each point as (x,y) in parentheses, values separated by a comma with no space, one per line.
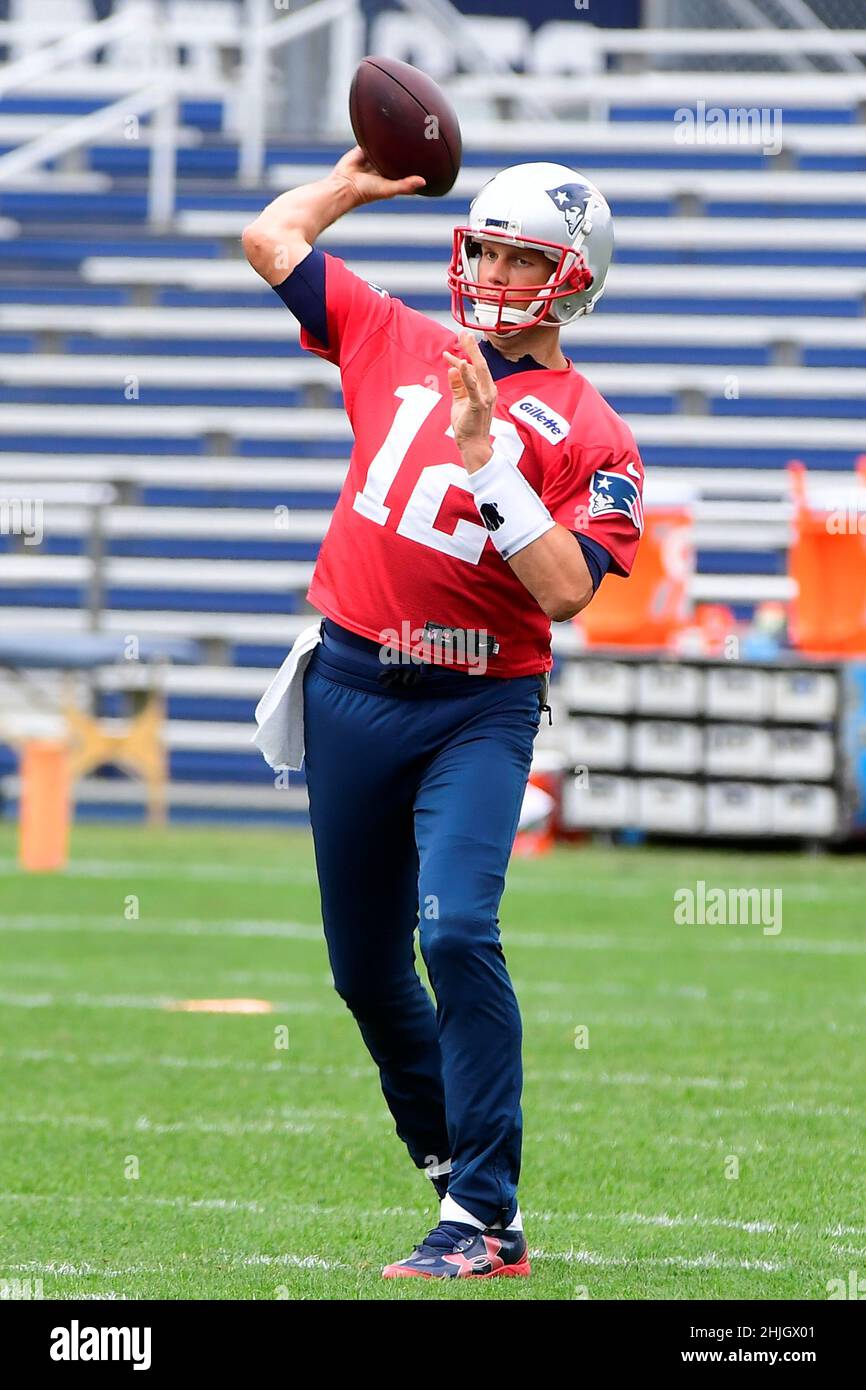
(737,750)
(737,808)
(595,684)
(597,802)
(805,755)
(805,697)
(666,747)
(664,687)
(596,742)
(803,810)
(734,692)
(665,804)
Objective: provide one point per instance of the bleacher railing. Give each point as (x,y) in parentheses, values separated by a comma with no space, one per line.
(157,97)
(251,33)
(162,80)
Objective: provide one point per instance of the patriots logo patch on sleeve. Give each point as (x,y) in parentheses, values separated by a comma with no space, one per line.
(571,199)
(614,493)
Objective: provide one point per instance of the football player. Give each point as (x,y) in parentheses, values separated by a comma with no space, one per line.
(490,488)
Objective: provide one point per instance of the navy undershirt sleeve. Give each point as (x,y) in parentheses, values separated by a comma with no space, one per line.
(303,291)
(596,557)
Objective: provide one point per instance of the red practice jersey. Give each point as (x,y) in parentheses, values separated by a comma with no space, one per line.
(406,546)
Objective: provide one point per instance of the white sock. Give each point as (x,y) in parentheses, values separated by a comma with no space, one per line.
(515,1224)
(449,1210)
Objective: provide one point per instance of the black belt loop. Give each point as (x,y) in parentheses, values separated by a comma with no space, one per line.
(401,676)
(543,692)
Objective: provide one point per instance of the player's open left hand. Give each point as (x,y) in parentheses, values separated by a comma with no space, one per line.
(473,396)
(369,185)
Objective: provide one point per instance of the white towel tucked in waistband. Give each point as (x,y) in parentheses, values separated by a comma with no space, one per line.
(280,711)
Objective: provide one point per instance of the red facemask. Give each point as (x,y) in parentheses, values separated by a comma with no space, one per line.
(465,292)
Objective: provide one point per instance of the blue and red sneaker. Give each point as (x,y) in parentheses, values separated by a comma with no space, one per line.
(453,1250)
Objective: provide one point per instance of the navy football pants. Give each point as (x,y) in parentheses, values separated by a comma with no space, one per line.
(414,799)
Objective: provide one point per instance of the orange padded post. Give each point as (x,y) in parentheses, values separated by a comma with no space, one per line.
(652,607)
(827,561)
(45,806)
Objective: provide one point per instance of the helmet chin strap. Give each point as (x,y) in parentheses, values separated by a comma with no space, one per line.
(487,316)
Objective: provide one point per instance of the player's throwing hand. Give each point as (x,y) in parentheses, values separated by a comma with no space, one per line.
(473,393)
(369,185)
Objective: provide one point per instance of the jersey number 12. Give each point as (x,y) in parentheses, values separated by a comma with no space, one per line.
(468,539)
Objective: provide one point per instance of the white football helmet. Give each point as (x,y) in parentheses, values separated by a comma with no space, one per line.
(549,208)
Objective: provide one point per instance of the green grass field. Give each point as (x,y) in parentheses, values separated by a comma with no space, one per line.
(267,1172)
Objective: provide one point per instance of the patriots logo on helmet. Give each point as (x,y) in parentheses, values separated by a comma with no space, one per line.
(571,200)
(611,493)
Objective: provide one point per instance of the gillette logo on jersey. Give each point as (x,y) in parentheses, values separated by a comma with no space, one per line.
(612,493)
(535,413)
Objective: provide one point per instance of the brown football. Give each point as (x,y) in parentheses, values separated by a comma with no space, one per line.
(405,124)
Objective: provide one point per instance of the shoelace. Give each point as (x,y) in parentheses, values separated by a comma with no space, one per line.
(447,1236)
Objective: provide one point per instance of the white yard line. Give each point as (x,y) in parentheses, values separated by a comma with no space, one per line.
(583,997)
(228,1128)
(291,1121)
(216,1064)
(59,1121)
(624,1078)
(664,1219)
(712,1260)
(339,1211)
(709,939)
(651,1079)
(137,868)
(557,877)
(54,971)
(180,1203)
(793,945)
(294,1261)
(793,1107)
(66,922)
(51,970)
(87,1270)
(293,1068)
(305,1121)
(80,1000)
(63,1269)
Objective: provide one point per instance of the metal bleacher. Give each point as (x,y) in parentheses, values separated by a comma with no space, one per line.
(732,337)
